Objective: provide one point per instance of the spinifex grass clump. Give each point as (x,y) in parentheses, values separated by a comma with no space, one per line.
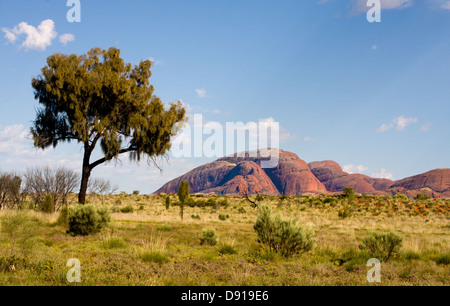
(282,236)
(382,245)
(87,219)
(209,237)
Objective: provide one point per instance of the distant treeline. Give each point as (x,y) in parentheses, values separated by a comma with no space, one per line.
(29,190)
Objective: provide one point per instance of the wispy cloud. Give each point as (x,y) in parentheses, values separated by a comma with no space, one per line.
(308,139)
(66,38)
(399,123)
(360,6)
(354,168)
(376,173)
(201,93)
(36,38)
(426,127)
(12,138)
(382,173)
(445,5)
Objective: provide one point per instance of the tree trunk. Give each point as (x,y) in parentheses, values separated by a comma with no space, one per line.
(84,184)
(86,173)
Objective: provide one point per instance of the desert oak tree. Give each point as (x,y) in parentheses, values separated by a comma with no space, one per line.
(98,99)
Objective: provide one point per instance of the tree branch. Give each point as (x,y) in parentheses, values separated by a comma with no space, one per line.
(105,159)
(254,203)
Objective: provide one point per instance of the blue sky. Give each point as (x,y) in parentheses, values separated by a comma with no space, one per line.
(375,97)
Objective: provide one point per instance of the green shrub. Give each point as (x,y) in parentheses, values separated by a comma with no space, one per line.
(63,218)
(196,216)
(136,192)
(154,256)
(48,206)
(167,202)
(223,217)
(227,249)
(87,219)
(223,202)
(183,196)
(20,229)
(401,197)
(422,197)
(114,243)
(349,193)
(282,236)
(410,255)
(242,210)
(209,237)
(443,259)
(127,209)
(165,228)
(345,211)
(382,245)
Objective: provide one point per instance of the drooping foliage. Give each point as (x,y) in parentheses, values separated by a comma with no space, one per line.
(97,98)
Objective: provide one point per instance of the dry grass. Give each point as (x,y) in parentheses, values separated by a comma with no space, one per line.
(151,246)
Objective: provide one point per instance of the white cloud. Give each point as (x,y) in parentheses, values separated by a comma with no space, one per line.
(36,38)
(360,6)
(308,139)
(12,138)
(382,173)
(354,169)
(66,38)
(384,128)
(426,127)
(400,123)
(201,92)
(446,5)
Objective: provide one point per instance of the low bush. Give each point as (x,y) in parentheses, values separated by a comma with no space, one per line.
(382,245)
(48,206)
(209,237)
(87,219)
(154,256)
(443,259)
(422,197)
(224,217)
(63,218)
(127,209)
(282,236)
(227,249)
(401,197)
(345,211)
(114,243)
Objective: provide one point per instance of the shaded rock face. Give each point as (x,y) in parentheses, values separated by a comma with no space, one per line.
(335,179)
(436,180)
(246,177)
(326,170)
(201,178)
